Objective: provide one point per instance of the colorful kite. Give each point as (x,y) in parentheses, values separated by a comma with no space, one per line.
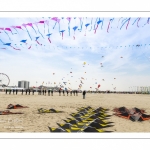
(9,44)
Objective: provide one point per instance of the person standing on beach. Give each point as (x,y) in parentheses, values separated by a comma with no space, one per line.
(49,92)
(22,91)
(26,91)
(45,92)
(74,92)
(29,91)
(67,92)
(9,91)
(70,93)
(63,93)
(33,92)
(13,91)
(52,92)
(6,91)
(16,91)
(84,94)
(77,93)
(59,92)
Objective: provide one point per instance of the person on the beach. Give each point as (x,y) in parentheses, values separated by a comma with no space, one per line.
(59,92)
(74,92)
(70,93)
(67,92)
(26,91)
(22,91)
(29,91)
(10,91)
(51,92)
(63,93)
(6,91)
(84,94)
(77,93)
(16,91)
(33,92)
(45,92)
(13,91)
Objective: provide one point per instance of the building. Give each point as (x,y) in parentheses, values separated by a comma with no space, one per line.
(23,84)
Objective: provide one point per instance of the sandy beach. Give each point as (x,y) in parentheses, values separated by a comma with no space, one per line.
(32,121)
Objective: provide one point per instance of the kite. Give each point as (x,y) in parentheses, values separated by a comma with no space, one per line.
(18,27)
(121,57)
(81,23)
(125,22)
(57,21)
(109,24)
(62,31)
(5,32)
(65,83)
(30,24)
(97,25)
(44,24)
(74,28)
(69,18)
(9,44)
(36,23)
(37,41)
(84,63)
(114,78)
(70,72)
(47,22)
(49,37)
(86,28)
(24,25)
(99,85)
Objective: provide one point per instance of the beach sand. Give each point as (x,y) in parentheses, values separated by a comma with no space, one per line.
(32,121)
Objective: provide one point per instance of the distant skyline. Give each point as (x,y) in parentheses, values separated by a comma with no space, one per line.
(115,55)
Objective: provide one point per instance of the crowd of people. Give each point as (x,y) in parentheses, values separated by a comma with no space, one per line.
(44,92)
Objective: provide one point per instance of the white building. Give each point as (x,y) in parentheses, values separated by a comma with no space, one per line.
(23,84)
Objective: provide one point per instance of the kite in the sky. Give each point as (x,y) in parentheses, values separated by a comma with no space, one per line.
(62,31)
(31,25)
(86,27)
(24,25)
(49,37)
(37,41)
(69,19)
(99,85)
(125,22)
(74,28)
(97,25)
(9,44)
(109,24)
(121,57)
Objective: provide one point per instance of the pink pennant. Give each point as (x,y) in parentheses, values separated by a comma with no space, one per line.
(24,25)
(19,27)
(8,29)
(1,28)
(54,18)
(41,22)
(29,24)
(68,18)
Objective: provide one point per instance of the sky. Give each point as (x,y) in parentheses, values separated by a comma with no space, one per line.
(116,57)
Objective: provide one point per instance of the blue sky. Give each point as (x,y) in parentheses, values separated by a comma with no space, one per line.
(66,55)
